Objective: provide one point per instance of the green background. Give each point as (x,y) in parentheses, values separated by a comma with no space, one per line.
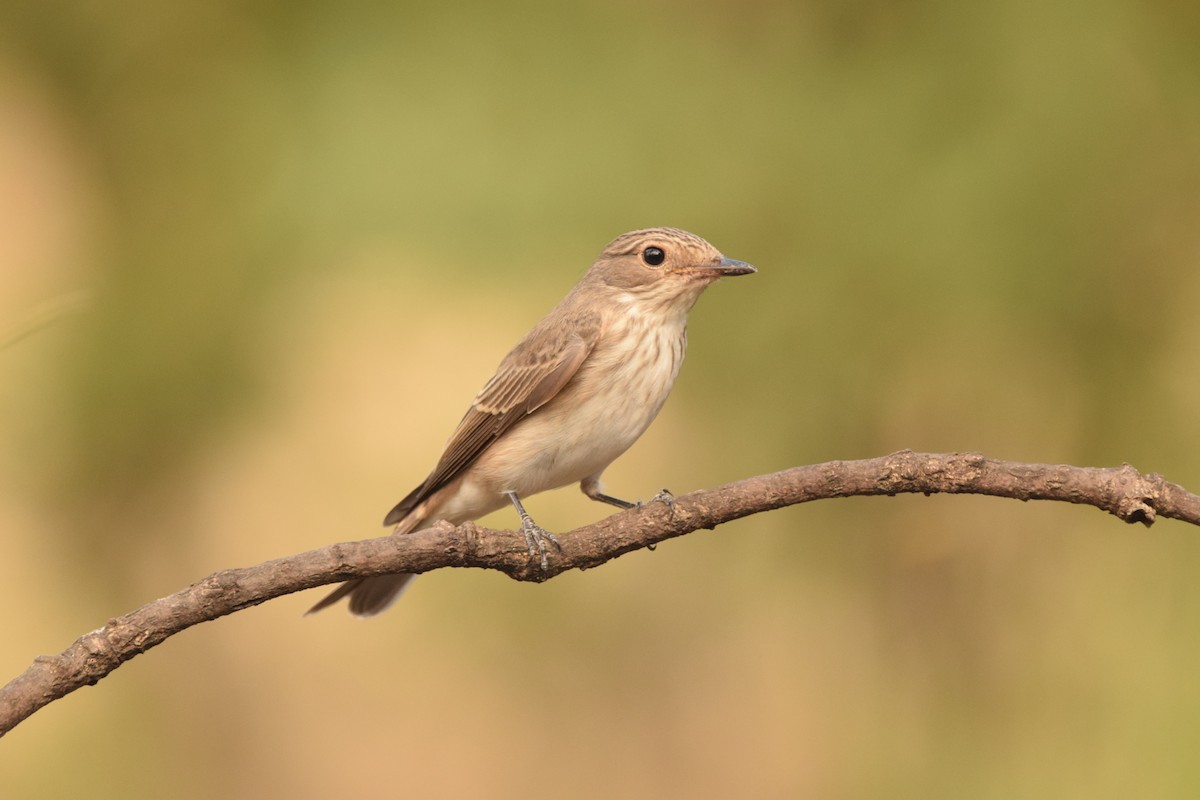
(295,238)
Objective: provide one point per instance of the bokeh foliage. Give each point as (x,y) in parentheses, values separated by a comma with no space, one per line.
(306,231)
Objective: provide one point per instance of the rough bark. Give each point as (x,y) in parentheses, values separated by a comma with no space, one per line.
(1121,491)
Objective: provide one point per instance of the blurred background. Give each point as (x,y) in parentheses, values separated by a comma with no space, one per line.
(256,258)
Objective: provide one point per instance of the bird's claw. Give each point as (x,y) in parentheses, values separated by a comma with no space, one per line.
(663,496)
(536,538)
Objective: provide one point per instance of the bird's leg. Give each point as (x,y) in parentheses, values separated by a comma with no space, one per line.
(591,488)
(614,501)
(535,537)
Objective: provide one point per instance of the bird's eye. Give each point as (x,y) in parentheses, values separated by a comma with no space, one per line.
(654,256)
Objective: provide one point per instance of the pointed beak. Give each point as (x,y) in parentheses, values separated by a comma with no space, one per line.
(717,268)
(729,267)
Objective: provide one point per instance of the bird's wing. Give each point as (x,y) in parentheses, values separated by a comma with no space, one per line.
(528,378)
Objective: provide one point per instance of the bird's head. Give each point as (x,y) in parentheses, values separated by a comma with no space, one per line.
(663,264)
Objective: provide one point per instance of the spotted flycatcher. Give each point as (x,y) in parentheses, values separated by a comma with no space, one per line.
(573,395)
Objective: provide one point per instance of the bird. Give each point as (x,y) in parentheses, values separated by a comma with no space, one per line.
(567,400)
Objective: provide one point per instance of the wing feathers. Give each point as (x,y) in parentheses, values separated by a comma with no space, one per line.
(528,378)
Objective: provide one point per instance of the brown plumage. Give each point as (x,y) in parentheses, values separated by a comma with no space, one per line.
(573,395)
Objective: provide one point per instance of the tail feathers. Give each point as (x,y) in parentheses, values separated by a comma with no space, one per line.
(405,506)
(368,596)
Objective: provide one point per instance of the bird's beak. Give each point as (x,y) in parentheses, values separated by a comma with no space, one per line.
(727,267)
(717,268)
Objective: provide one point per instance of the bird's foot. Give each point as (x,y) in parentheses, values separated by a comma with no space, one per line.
(664,496)
(536,538)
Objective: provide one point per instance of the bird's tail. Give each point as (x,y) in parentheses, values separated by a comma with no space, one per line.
(370,596)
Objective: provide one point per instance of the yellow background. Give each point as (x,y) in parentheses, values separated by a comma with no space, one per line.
(281,245)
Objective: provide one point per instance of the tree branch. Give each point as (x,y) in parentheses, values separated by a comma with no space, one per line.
(1123,492)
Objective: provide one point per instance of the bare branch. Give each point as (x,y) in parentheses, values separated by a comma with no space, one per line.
(1123,492)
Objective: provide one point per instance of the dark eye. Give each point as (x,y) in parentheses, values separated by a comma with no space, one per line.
(653,256)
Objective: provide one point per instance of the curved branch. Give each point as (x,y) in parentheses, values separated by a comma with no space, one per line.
(1123,492)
